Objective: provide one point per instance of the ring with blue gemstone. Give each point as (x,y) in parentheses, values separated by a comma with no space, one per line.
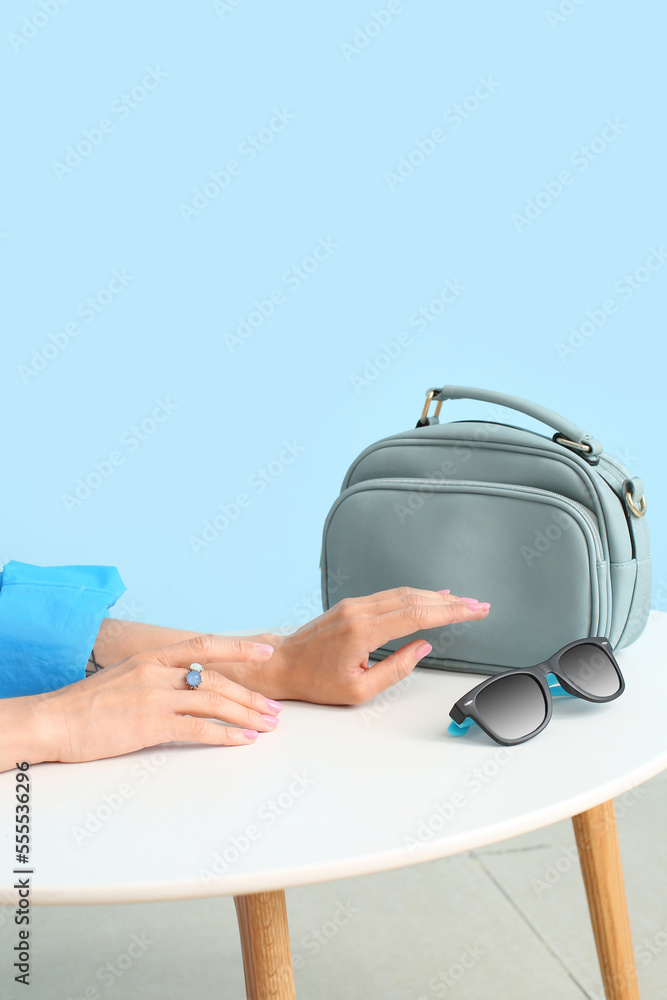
(193,677)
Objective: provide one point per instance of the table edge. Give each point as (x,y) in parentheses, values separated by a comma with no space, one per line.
(363,864)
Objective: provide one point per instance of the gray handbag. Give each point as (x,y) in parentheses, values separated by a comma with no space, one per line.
(551,531)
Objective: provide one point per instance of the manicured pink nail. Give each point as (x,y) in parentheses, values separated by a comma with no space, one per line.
(424,649)
(263,649)
(250,734)
(444,591)
(275,706)
(271,720)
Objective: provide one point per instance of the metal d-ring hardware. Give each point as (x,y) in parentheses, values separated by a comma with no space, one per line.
(572,444)
(438,406)
(637,511)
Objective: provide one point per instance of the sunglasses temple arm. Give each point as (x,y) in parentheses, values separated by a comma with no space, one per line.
(556,690)
(460,728)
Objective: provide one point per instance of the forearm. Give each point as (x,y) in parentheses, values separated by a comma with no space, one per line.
(26,731)
(117,639)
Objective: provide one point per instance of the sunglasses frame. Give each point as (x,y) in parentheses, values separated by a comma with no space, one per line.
(466,707)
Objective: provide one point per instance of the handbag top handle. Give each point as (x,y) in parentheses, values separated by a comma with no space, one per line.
(567,433)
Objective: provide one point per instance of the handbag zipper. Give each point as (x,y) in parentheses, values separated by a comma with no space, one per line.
(617,489)
(613,464)
(579,507)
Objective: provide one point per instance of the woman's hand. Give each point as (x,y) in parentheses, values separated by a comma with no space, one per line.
(326,660)
(141,702)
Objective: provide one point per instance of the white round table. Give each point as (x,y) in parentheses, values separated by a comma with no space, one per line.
(337,792)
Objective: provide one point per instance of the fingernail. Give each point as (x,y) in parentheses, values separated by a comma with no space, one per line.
(275,706)
(478,606)
(271,720)
(250,734)
(263,649)
(424,649)
(444,591)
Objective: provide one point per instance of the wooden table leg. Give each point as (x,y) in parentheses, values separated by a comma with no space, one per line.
(597,843)
(267,959)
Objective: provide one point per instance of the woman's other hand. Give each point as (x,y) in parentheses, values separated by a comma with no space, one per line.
(142,701)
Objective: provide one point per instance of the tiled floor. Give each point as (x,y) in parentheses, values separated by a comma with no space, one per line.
(516,911)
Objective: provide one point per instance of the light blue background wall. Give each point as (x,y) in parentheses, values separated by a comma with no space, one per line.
(323,176)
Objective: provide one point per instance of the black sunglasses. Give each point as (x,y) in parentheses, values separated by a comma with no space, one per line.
(515,706)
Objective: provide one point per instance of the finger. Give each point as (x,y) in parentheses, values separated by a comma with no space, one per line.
(210,649)
(395,604)
(393,669)
(405,601)
(415,617)
(396,592)
(194,730)
(211,680)
(208,703)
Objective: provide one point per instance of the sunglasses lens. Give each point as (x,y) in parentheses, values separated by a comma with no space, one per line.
(512,706)
(590,669)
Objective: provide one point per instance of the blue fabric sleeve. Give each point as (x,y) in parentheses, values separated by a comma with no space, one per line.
(49,620)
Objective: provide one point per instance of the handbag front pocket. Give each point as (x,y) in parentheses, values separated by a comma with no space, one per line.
(535,556)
